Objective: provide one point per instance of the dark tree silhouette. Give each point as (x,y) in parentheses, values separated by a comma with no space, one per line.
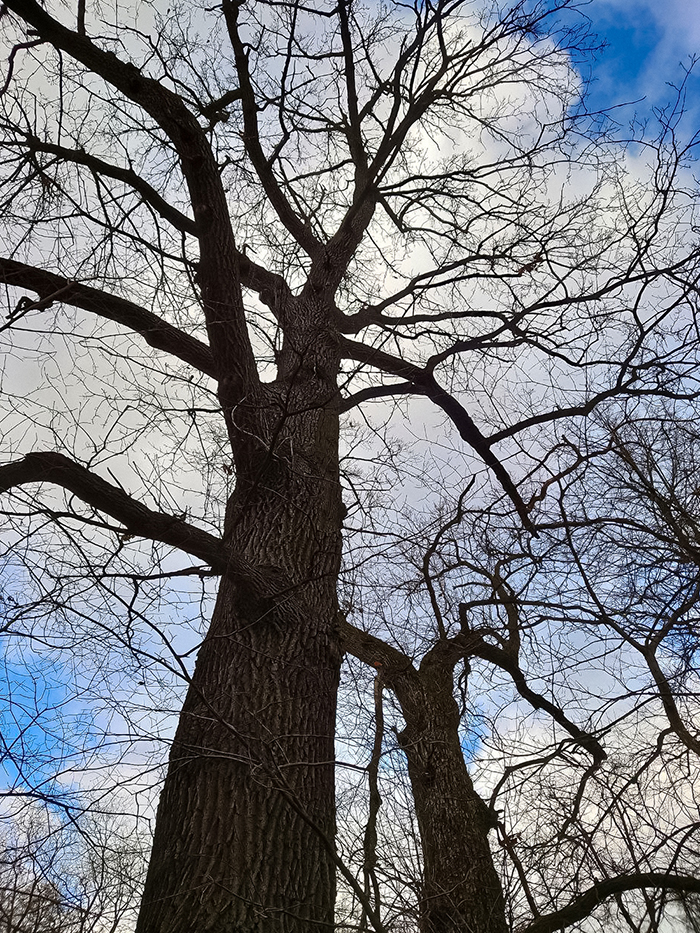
(227,231)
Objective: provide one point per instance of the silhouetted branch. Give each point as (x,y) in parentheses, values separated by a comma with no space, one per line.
(138,519)
(584,905)
(425,384)
(154,330)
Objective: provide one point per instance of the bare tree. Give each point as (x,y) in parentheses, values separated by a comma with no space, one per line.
(75,876)
(237,227)
(591,765)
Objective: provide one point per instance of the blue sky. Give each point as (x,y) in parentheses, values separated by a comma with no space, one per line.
(40,722)
(647,42)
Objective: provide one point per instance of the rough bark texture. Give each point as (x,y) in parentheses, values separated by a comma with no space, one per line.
(244,833)
(461,891)
(259,718)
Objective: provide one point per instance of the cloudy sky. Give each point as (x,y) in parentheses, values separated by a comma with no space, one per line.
(648,42)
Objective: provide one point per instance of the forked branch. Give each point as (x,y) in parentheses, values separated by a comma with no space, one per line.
(218,270)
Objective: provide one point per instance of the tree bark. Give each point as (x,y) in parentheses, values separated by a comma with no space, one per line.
(461,890)
(245,826)
(238,843)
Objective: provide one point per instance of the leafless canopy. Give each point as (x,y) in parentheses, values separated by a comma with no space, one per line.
(346,327)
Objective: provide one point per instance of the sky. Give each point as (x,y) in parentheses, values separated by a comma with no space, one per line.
(648,42)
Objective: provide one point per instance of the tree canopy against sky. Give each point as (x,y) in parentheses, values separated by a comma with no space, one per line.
(276,273)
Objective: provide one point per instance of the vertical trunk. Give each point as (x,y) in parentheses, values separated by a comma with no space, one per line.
(239,841)
(461,890)
(245,826)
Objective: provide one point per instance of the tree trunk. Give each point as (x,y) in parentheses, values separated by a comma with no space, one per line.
(461,891)
(245,826)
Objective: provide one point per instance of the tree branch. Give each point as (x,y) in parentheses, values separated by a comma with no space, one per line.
(154,330)
(587,902)
(369,844)
(425,384)
(79,157)
(381,360)
(548,416)
(138,519)
(472,644)
(669,702)
(218,272)
(372,650)
(372,392)
(251,138)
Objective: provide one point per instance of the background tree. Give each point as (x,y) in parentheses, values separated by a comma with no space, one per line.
(579,655)
(75,877)
(238,227)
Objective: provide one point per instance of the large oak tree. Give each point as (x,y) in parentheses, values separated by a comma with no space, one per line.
(307,214)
